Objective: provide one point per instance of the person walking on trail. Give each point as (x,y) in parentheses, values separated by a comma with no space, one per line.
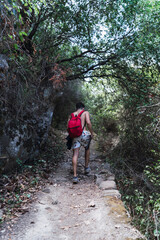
(80,136)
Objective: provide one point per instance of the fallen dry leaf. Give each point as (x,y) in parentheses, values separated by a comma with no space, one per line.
(76,225)
(91,204)
(65,228)
(76,206)
(87,222)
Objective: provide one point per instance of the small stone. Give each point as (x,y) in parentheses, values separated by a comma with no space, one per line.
(76,225)
(87,222)
(117,226)
(46,190)
(55,202)
(107,185)
(24,210)
(48,208)
(91,204)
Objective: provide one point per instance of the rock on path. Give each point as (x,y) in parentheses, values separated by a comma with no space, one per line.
(90,210)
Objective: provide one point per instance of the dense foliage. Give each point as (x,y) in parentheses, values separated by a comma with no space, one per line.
(134,154)
(114,46)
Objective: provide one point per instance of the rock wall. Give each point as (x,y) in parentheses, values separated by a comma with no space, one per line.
(25,116)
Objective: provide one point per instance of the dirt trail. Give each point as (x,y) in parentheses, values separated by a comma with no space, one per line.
(90,210)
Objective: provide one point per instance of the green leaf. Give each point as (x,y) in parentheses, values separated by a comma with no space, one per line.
(10,36)
(21,38)
(15,46)
(22,33)
(20,17)
(156,233)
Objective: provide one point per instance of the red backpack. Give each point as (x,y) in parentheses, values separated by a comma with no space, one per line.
(75,126)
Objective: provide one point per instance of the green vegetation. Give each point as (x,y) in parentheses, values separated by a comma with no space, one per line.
(134,156)
(112,48)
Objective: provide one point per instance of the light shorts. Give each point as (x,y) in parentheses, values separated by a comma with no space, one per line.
(82,140)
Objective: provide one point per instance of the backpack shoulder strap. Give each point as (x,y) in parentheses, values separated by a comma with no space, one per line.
(79,115)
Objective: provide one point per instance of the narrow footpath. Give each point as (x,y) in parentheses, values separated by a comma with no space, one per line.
(89,210)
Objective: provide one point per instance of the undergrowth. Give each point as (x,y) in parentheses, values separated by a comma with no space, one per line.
(140,194)
(19,188)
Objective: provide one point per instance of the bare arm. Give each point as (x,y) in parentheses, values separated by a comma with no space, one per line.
(89,124)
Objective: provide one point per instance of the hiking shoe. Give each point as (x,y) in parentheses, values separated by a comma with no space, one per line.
(87,170)
(75,180)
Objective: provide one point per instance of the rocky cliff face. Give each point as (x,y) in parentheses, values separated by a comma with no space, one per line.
(25,116)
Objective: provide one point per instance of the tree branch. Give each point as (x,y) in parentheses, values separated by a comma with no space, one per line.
(91,68)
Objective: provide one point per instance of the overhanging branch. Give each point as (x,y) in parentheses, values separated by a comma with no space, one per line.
(91,68)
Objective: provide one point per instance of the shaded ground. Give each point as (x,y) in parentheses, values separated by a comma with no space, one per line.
(86,211)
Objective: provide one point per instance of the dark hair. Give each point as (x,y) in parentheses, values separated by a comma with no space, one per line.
(79,105)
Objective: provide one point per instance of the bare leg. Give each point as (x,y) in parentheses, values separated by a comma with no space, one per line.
(87,154)
(74,160)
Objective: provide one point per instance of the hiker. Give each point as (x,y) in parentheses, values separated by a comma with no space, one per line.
(83,139)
